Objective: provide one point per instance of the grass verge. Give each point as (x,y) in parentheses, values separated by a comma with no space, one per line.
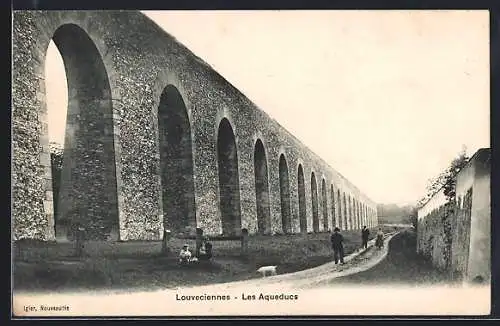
(140,264)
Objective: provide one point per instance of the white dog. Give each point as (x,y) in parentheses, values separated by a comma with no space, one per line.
(264,270)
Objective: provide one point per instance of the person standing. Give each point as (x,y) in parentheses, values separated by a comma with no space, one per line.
(205,250)
(80,239)
(380,239)
(365,234)
(337,241)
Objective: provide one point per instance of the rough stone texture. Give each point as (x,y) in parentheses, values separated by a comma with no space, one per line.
(479,259)
(432,240)
(461,236)
(456,236)
(117,160)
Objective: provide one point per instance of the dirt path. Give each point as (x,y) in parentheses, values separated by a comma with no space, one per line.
(402,266)
(314,277)
(308,292)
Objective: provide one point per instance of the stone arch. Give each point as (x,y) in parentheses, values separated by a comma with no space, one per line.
(346,211)
(356,215)
(54,73)
(355,212)
(286,221)
(358,211)
(340,210)
(332,200)
(361,217)
(368,215)
(367,221)
(262,189)
(229,183)
(324,205)
(314,200)
(302,199)
(362,212)
(89,117)
(364,215)
(349,203)
(176,162)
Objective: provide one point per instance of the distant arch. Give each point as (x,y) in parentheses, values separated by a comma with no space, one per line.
(332,200)
(262,189)
(229,183)
(314,199)
(356,213)
(360,215)
(324,205)
(285,195)
(340,210)
(302,199)
(367,215)
(349,202)
(346,211)
(364,214)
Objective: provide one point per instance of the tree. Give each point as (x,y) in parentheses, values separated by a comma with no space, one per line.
(446,179)
(450,182)
(447,182)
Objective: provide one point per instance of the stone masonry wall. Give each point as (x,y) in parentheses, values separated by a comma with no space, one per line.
(432,236)
(455,236)
(138,60)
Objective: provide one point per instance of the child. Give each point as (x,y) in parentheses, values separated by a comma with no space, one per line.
(205,250)
(184,255)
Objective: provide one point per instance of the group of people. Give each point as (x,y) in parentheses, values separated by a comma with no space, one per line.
(337,241)
(203,252)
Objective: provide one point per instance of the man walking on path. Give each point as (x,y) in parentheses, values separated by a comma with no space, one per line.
(338,247)
(365,234)
(379,242)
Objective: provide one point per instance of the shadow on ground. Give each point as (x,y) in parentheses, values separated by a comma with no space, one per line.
(402,265)
(141,266)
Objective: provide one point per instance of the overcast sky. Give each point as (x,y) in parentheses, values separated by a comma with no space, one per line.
(387,98)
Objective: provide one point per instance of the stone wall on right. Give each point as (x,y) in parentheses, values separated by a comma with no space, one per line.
(456,236)
(473,191)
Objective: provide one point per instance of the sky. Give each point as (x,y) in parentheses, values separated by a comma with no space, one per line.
(387,98)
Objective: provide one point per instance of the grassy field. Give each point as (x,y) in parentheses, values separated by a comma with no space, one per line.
(140,264)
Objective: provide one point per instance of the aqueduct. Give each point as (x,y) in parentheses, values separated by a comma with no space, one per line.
(156,138)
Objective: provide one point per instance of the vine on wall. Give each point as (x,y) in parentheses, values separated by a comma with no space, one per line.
(439,226)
